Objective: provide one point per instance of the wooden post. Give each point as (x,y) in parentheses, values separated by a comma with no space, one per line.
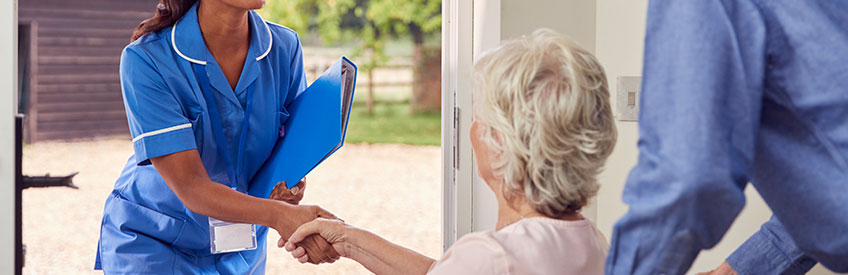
(369,104)
(32,109)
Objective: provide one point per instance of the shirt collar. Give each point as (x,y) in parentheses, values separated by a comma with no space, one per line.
(187,40)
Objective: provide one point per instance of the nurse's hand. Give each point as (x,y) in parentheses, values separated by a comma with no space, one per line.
(291,196)
(293,216)
(334,231)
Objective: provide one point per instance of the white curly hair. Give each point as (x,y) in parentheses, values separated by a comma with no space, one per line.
(542,102)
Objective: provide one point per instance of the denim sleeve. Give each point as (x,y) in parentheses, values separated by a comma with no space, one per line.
(701,99)
(770,251)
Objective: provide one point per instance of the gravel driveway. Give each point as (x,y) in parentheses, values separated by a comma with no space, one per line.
(392,190)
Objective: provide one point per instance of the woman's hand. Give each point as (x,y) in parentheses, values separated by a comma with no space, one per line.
(293,216)
(291,196)
(319,248)
(332,230)
(374,253)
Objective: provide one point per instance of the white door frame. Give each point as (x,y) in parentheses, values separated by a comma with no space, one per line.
(468,28)
(457,59)
(8,104)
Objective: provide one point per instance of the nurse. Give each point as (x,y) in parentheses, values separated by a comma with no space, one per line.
(206,84)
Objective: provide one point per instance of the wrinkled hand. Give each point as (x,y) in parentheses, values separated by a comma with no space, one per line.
(333,230)
(723,269)
(320,249)
(291,196)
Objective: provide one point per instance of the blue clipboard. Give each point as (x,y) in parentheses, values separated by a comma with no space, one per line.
(315,129)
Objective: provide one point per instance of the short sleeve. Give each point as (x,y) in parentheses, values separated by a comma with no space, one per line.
(156,120)
(298,76)
(476,253)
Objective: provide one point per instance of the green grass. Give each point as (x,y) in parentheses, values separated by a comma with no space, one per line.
(392,122)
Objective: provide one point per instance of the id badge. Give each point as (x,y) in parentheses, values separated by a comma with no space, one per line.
(231,237)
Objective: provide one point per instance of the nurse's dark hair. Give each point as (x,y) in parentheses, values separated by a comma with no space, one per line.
(167,13)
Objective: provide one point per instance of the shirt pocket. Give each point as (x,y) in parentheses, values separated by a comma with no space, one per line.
(131,217)
(282,117)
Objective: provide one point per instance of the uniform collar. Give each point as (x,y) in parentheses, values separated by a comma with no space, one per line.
(187,40)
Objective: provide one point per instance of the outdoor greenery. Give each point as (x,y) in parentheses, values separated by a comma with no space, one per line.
(392,122)
(370,22)
(369,29)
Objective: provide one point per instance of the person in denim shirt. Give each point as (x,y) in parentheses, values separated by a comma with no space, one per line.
(739,91)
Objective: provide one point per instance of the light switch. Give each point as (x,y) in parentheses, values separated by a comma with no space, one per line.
(627,98)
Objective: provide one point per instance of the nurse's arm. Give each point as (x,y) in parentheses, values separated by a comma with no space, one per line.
(185,175)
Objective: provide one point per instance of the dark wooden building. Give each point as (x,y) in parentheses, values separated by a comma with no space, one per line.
(69,51)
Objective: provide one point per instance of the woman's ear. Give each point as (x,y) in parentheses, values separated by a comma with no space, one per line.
(481,151)
(476,135)
(498,155)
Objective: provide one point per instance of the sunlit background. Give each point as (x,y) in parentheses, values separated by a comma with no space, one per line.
(386,178)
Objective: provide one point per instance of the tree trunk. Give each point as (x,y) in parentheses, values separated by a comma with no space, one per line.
(417,34)
(426,75)
(427,79)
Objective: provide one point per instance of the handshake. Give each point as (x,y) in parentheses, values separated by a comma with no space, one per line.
(301,222)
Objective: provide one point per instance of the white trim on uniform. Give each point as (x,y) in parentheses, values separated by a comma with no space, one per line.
(174,42)
(270,40)
(161,131)
(201,62)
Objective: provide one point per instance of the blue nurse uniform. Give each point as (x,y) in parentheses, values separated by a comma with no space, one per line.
(145,228)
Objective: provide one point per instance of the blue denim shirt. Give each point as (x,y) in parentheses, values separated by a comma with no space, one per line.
(739,91)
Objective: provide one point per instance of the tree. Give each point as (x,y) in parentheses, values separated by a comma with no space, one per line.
(371,22)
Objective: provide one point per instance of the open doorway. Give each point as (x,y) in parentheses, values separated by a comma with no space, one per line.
(386,178)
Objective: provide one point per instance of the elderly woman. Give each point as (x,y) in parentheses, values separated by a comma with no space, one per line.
(542,131)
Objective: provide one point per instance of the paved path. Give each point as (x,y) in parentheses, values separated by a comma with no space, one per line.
(392,190)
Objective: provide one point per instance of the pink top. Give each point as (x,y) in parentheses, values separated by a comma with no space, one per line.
(536,245)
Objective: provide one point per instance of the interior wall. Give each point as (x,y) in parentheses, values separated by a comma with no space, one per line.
(620,35)
(574,18)
(8,91)
(620,42)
